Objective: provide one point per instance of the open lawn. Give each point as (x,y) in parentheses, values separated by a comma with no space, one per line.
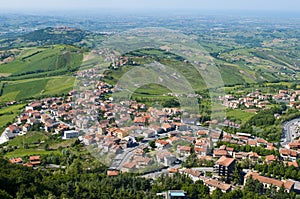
(239,115)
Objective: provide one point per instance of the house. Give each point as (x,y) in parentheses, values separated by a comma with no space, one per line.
(261,142)
(202,133)
(70,134)
(149,133)
(112,173)
(128,167)
(240,155)
(219,153)
(162,144)
(89,139)
(294,164)
(142,161)
(253,156)
(34,106)
(16,160)
(215,136)
(268,182)
(173,170)
(139,121)
(116,149)
(120,133)
(215,184)
(35,160)
(51,125)
(166,158)
(270,159)
(6,136)
(173,139)
(26,127)
(184,150)
(229,150)
(13,129)
(190,121)
(193,174)
(224,166)
(107,145)
(202,151)
(166,127)
(287,154)
(180,126)
(23,119)
(294,145)
(252,143)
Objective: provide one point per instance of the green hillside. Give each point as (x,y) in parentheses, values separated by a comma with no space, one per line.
(53,59)
(52,36)
(35,88)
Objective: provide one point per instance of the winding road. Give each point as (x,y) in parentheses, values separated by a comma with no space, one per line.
(289,131)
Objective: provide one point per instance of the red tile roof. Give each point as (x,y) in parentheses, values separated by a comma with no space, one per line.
(270,158)
(287,184)
(218,184)
(16,160)
(224,161)
(35,158)
(184,148)
(129,165)
(294,164)
(218,152)
(112,173)
(162,142)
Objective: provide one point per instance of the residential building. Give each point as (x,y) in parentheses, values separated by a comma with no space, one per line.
(70,134)
(224,167)
(268,182)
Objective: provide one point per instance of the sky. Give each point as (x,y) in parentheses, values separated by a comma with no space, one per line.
(224,5)
(141,5)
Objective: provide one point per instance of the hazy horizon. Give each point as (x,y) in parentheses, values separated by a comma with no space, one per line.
(144,5)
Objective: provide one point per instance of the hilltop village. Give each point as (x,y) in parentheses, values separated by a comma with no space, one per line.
(131,137)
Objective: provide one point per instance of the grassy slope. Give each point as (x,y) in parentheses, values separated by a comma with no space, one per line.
(239,115)
(30,138)
(32,88)
(29,152)
(43,59)
(8,114)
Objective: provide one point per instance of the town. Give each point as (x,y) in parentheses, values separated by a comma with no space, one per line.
(131,137)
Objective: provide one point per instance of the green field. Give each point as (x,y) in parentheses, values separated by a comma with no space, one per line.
(240,116)
(51,59)
(8,114)
(38,87)
(30,138)
(29,152)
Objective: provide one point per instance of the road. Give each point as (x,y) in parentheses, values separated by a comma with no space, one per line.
(126,156)
(121,159)
(289,131)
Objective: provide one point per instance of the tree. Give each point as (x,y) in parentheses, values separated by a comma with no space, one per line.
(236,174)
(152,144)
(46,147)
(5,195)
(217,194)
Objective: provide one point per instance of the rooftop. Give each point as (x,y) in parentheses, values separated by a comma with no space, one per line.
(224,161)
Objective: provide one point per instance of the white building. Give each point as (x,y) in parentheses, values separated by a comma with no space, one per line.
(70,134)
